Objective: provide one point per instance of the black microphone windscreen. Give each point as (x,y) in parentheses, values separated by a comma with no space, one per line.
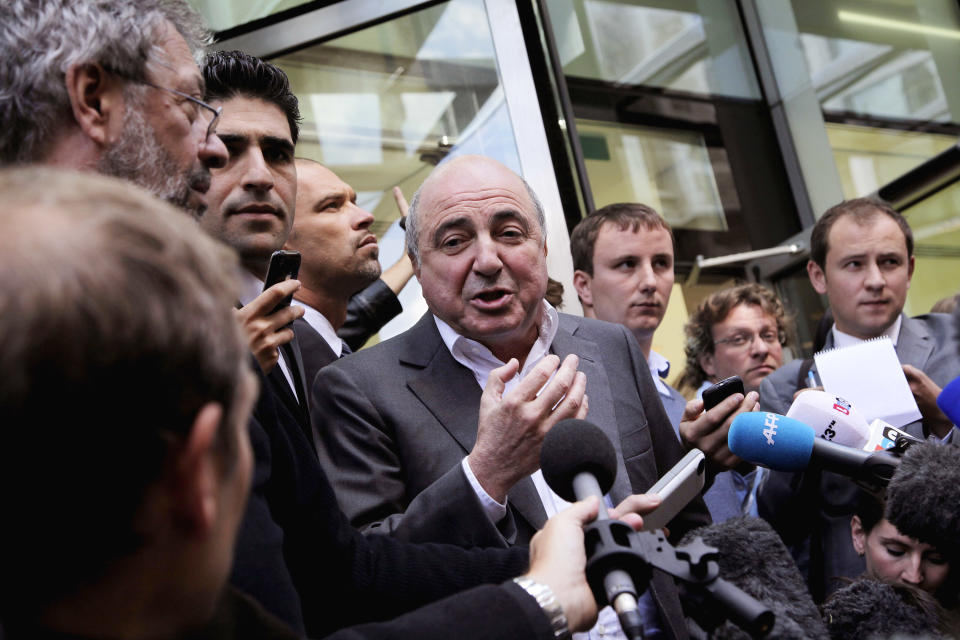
(753,558)
(576,446)
(867,608)
(923,498)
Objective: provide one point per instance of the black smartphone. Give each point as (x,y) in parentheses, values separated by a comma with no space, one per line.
(714,395)
(283,266)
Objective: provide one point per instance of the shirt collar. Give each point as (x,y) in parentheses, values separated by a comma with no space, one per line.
(250,287)
(481,361)
(322,326)
(659,368)
(841,339)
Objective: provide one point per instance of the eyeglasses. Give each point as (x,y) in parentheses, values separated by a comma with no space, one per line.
(211,112)
(741,340)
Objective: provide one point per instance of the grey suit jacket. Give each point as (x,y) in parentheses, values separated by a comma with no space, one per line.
(812,509)
(396,420)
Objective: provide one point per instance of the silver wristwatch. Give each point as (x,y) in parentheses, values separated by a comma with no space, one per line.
(548,603)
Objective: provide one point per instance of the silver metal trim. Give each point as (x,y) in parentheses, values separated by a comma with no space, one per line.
(526,119)
(322,23)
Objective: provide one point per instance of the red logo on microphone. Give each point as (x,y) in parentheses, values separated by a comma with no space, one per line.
(842,406)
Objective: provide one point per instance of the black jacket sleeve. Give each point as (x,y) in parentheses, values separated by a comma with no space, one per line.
(367,312)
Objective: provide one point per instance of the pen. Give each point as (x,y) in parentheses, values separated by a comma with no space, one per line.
(812,380)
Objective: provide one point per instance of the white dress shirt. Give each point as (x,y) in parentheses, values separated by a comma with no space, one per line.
(250,287)
(481,361)
(657,365)
(322,326)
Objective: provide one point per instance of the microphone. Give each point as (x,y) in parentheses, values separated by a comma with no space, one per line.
(831,417)
(785,444)
(835,420)
(949,400)
(578,461)
(752,557)
(923,499)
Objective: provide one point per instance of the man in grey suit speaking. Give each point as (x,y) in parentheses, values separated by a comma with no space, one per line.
(415,449)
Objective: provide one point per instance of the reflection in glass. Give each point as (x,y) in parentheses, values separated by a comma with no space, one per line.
(870,157)
(381,106)
(936,234)
(692,46)
(667,170)
(226,14)
(658,90)
(889,65)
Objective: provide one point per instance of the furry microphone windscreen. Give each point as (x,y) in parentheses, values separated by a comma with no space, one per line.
(867,609)
(753,558)
(923,498)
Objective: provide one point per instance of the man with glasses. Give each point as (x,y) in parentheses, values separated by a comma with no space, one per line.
(77,94)
(740,331)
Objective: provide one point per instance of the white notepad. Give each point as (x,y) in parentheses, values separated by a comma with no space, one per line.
(869,376)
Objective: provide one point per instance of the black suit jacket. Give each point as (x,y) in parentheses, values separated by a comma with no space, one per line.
(314,350)
(298,556)
(396,420)
(297,405)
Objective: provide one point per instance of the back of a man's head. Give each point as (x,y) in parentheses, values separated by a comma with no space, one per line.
(116,312)
(41,39)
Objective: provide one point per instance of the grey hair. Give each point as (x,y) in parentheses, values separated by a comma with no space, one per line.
(40,40)
(413,224)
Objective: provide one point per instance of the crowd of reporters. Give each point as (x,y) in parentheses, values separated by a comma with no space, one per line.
(185,455)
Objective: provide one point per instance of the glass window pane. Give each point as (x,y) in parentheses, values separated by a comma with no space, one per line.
(936,234)
(668,113)
(870,157)
(669,170)
(690,46)
(888,65)
(226,14)
(383,105)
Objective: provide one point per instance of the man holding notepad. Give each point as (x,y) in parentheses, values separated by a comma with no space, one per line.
(861,258)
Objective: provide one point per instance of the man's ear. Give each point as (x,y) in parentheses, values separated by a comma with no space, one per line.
(708,364)
(858,534)
(817,277)
(582,282)
(96,99)
(911,263)
(416,265)
(197,472)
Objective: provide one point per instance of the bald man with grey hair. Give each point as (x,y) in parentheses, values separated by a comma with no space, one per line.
(435,434)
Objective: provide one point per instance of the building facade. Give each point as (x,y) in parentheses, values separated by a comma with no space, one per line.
(741,121)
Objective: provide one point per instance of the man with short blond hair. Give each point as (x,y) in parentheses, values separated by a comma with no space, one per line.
(623,261)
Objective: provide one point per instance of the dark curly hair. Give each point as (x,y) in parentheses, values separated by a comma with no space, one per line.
(716,307)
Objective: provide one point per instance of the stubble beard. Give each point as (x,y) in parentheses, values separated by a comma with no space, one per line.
(139,157)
